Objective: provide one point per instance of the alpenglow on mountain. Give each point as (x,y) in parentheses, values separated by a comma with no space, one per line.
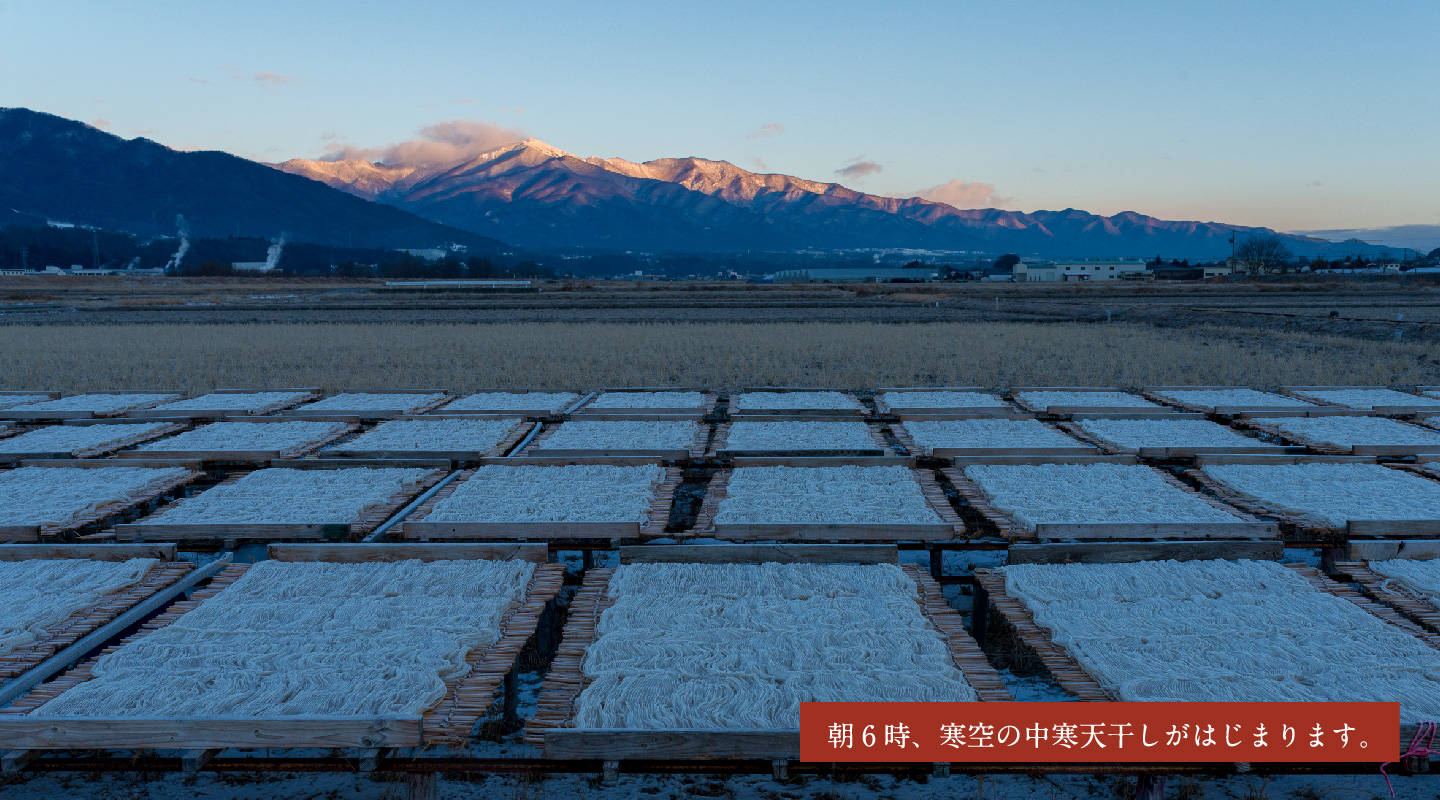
(534,195)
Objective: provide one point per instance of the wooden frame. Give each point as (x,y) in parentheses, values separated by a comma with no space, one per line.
(550,728)
(1337,449)
(1245,526)
(247,456)
(951,526)
(1378,587)
(588,412)
(907,440)
(70,630)
(417,529)
(307,394)
(1062,411)
(797,414)
(722,433)
(1154,393)
(918,412)
(1074,679)
(166,429)
(467,698)
(533,412)
(1311,525)
(1299,392)
(1107,446)
(301,411)
(160,397)
(369,518)
(522,429)
(100,514)
(1130,552)
(537,449)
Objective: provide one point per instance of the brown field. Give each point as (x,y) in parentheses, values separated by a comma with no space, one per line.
(590,355)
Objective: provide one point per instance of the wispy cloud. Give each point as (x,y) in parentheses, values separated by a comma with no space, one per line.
(759,164)
(766,131)
(964,194)
(859,168)
(102,124)
(197,80)
(270,80)
(447,142)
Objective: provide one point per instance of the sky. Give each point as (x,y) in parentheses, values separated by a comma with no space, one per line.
(1292,115)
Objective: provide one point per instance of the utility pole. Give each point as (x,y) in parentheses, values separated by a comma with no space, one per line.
(25,258)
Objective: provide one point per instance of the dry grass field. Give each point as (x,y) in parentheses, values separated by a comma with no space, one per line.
(191,357)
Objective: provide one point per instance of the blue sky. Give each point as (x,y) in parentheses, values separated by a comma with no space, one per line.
(1295,115)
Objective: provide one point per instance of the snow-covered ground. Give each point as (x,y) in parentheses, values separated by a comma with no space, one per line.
(1017,433)
(795,401)
(75,438)
(799,435)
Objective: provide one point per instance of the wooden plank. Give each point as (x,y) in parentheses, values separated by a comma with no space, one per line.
(525,461)
(667,454)
(865,452)
(1217,458)
(416,462)
(1429,451)
(202,455)
(1191,452)
(1156,530)
(624,744)
(1127,552)
(972,452)
(1126,411)
(830,531)
(520,530)
(376,551)
(1316,411)
(1384,550)
(1030,460)
(980,412)
(760,553)
(830,461)
(100,463)
(19,533)
(30,732)
(339,456)
(95,552)
(162,532)
(1393,527)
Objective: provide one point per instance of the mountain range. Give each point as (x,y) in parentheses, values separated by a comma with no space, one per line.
(56,169)
(534,195)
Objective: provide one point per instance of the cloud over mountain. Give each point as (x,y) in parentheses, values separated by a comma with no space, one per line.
(964,194)
(859,169)
(447,142)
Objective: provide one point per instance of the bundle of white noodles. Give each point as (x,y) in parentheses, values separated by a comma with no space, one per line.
(295,496)
(741,646)
(1048,399)
(621,400)
(840,495)
(924,399)
(622,435)
(795,401)
(57,495)
(402,435)
(38,594)
(576,493)
(238,402)
(930,434)
(374,401)
(1366,398)
(1333,493)
(96,403)
(12,400)
(1350,431)
(1218,631)
(1230,398)
(513,401)
(76,438)
(1420,579)
(300,638)
(242,436)
(782,436)
(1086,493)
(1137,433)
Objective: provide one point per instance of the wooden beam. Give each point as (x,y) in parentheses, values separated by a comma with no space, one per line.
(887,532)
(17,760)
(1210,458)
(520,530)
(1393,527)
(193,733)
(398,461)
(1126,552)
(823,461)
(1376,550)
(970,452)
(95,552)
(192,760)
(379,551)
(1031,460)
(1156,530)
(667,454)
(162,532)
(621,744)
(760,553)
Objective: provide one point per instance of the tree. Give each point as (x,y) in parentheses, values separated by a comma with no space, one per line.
(1007,262)
(1262,255)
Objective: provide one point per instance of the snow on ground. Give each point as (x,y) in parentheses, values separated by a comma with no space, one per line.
(622,435)
(787,401)
(1136,433)
(1367,398)
(1243,398)
(75,438)
(373,401)
(95,403)
(1082,493)
(1350,431)
(930,434)
(1335,493)
(237,402)
(622,400)
(56,495)
(839,495)
(555,402)
(1048,399)
(299,496)
(799,435)
(922,399)
(240,436)
(575,493)
(419,435)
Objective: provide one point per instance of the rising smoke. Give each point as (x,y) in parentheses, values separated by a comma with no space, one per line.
(184,228)
(272,255)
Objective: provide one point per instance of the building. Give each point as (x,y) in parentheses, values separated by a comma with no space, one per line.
(1038,271)
(858,275)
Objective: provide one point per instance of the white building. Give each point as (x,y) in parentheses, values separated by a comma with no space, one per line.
(1077,270)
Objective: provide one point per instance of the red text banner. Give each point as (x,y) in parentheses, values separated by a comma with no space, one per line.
(1100,732)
